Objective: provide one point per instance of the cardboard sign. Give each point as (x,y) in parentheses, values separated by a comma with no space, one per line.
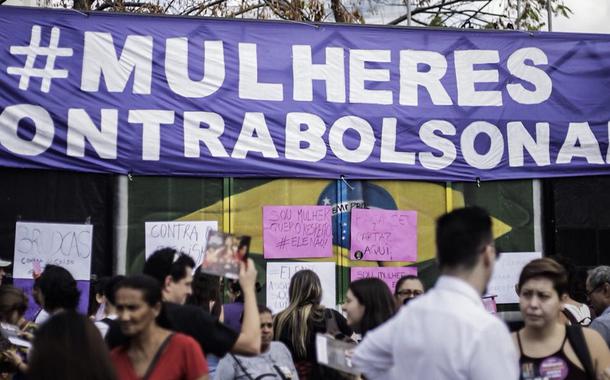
(297,231)
(389,275)
(185,237)
(279,275)
(383,235)
(506,275)
(65,245)
(335,353)
(489,302)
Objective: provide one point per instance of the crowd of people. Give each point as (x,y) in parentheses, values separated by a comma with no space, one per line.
(169,322)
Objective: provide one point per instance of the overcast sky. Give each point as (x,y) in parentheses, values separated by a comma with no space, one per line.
(590,16)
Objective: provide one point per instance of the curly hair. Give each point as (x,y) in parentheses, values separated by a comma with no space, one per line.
(58,289)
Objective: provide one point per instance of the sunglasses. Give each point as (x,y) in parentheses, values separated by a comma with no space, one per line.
(409,292)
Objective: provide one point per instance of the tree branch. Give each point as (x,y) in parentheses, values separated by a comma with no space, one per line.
(125,4)
(474,14)
(250,8)
(200,7)
(423,9)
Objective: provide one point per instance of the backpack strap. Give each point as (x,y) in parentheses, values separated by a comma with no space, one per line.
(577,340)
(241,366)
(570,317)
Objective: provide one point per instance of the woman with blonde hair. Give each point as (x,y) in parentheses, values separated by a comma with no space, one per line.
(297,325)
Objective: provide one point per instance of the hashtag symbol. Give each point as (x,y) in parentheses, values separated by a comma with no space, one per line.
(282,243)
(32,51)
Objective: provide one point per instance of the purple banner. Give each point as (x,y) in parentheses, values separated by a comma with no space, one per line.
(33,308)
(120,93)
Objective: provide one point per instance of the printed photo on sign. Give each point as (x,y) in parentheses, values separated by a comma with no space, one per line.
(186,237)
(223,254)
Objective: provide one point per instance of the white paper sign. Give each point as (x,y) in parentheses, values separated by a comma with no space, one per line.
(278,281)
(335,353)
(506,275)
(66,245)
(186,237)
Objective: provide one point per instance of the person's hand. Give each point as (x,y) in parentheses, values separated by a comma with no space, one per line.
(15,359)
(247,275)
(27,336)
(605,375)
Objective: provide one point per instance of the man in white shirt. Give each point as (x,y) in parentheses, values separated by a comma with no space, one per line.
(446,334)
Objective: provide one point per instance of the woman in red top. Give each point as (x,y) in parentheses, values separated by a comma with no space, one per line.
(153,351)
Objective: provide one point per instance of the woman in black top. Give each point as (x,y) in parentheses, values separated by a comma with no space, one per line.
(297,325)
(545,351)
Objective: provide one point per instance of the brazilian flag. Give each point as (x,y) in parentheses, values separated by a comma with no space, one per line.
(236,204)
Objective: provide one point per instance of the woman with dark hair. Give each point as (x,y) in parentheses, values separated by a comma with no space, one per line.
(549,348)
(574,312)
(206,294)
(153,352)
(368,304)
(58,290)
(407,288)
(13,304)
(232,312)
(297,325)
(69,347)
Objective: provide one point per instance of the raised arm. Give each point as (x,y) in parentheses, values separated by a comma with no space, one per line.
(249,340)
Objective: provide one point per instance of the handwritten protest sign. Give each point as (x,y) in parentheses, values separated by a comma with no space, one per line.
(383,235)
(506,275)
(278,281)
(66,245)
(297,231)
(186,237)
(389,275)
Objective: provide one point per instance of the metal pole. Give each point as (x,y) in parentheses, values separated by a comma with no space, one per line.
(518,22)
(121,224)
(408,12)
(550,14)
